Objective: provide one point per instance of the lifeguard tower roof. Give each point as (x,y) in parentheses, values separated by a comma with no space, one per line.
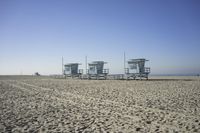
(97,62)
(70,64)
(137,60)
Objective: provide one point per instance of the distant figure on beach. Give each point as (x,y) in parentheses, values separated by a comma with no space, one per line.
(37,74)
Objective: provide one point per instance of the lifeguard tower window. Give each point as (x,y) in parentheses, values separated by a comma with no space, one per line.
(67,68)
(92,68)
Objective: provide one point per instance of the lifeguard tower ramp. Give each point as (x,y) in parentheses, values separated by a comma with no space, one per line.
(96,70)
(71,70)
(136,69)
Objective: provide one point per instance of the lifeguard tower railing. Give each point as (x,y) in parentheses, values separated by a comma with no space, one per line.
(136,69)
(96,70)
(71,70)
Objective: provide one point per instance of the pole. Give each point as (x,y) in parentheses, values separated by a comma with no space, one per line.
(21,72)
(86,64)
(62,67)
(124,63)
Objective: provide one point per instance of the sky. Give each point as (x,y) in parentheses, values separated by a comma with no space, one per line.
(36,34)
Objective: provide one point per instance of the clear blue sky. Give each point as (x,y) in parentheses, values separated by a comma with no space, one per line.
(35,34)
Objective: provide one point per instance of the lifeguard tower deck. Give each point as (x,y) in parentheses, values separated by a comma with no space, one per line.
(136,69)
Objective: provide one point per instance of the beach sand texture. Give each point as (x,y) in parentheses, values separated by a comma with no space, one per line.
(66,105)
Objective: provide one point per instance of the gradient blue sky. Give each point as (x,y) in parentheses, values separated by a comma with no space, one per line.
(35,34)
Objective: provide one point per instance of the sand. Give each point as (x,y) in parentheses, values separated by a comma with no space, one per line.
(64,105)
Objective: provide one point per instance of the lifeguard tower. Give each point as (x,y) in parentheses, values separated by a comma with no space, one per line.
(136,69)
(96,70)
(71,70)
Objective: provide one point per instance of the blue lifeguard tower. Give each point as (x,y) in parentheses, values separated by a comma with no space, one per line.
(136,69)
(71,70)
(96,70)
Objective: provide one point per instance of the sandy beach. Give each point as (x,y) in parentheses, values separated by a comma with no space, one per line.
(65,105)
